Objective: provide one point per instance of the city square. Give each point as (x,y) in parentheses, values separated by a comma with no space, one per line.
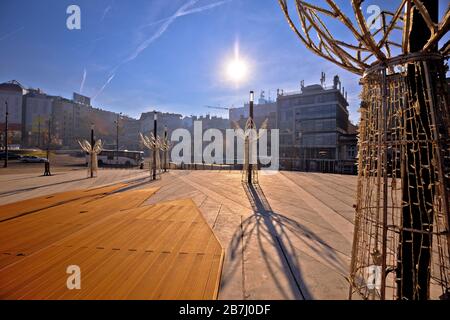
(215,151)
(273,249)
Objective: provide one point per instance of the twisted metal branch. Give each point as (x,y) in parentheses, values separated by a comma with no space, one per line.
(366,50)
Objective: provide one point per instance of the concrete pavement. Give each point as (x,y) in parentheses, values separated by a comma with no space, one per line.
(287,238)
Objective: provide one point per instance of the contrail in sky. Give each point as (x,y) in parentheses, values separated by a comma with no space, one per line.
(182,11)
(160,30)
(187,12)
(105,12)
(11,33)
(104,86)
(83,80)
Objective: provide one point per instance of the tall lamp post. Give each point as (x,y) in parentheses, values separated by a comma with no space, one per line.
(48,138)
(47,163)
(155,134)
(117,135)
(6,135)
(39,132)
(165,151)
(92,148)
(250,165)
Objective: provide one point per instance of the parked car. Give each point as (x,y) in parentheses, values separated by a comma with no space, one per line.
(11,156)
(33,159)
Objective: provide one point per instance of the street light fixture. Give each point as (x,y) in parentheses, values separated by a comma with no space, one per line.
(250,166)
(117,136)
(166,150)
(155,134)
(47,163)
(92,150)
(6,136)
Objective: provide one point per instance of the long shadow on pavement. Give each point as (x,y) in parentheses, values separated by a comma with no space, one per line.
(275,231)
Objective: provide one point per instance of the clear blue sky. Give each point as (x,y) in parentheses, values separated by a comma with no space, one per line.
(135,56)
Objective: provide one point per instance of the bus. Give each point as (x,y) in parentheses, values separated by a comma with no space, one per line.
(123,158)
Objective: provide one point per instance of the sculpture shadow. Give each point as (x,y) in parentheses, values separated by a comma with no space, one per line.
(277,231)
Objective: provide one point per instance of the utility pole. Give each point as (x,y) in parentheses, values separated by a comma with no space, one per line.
(155,134)
(6,136)
(48,138)
(249,148)
(117,136)
(39,131)
(92,150)
(47,163)
(165,151)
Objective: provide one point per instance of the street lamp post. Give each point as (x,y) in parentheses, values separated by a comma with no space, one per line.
(250,166)
(48,138)
(155,134)
(47,163)
(117,136)
(39,132)
(6,135)
(165,151)
(92,150)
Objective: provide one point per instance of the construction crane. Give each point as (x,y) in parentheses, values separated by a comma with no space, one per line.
(218,108)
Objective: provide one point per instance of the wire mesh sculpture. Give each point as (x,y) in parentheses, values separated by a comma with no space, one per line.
(165,147)
(155,146)
(250,135)
(401,247)
(93,153)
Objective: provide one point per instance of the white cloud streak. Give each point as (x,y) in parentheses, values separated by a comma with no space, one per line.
(105,12)
(167,22)
(104,86)
(188,12)
(184,10)
(11,33)
(83,81)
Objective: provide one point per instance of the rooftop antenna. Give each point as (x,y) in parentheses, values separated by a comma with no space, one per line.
(322,79)
(302,84)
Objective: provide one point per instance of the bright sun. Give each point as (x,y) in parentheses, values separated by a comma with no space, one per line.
(237,70)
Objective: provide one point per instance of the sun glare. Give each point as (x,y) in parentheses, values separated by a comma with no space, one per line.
(237,70)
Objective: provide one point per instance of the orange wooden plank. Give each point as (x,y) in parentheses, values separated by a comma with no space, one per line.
(161,251)
(27,234)
(16,209)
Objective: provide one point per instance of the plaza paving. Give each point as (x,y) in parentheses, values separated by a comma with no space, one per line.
(289,237)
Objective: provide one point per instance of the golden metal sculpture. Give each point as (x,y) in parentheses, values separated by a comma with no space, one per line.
(155,146)
(369,46)
(401,247)
(165,148)
(93,153)
(250,136)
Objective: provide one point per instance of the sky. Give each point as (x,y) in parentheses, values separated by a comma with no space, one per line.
(170,55)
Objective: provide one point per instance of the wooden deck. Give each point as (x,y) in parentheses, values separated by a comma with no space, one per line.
(125,250)
(17,209)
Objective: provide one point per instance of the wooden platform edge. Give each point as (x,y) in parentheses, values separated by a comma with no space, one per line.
(222,254)
(219,274)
